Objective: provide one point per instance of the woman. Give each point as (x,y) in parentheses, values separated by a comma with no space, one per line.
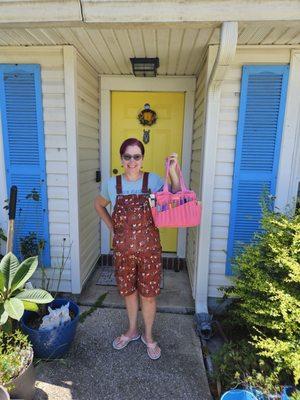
(137,248)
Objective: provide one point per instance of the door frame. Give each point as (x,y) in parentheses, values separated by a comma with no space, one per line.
(109,83)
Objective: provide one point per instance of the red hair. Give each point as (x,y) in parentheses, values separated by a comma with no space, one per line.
(131,142)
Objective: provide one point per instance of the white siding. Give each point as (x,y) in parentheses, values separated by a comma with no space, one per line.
(52,70)
(196,165)
(225,158)
(88,163)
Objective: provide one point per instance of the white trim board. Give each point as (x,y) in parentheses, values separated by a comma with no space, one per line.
(158,84)
(288,171)
(217,70)
(70,74)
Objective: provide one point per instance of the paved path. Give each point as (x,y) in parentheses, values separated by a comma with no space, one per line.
(94,370)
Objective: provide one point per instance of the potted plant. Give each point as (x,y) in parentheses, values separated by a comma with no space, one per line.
(17,375)
(16,354)
(54,340)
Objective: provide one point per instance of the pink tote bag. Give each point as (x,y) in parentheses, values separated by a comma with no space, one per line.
(176,210)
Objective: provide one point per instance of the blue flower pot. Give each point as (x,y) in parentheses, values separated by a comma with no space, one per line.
(238,394)
(53,343)
(287,392)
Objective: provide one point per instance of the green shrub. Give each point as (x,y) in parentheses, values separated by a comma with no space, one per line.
(266,294)
(237,364)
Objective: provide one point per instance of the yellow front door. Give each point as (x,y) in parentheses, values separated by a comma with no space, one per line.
(165,135)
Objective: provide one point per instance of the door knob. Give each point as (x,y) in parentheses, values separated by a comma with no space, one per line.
(115,171)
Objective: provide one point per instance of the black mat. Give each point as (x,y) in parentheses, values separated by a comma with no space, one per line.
(107,277)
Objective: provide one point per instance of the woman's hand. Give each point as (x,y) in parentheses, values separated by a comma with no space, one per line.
(175,184)
(173,160)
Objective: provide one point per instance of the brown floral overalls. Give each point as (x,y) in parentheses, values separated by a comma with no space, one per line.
(136,243)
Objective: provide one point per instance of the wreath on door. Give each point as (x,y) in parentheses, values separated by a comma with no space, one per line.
(147,117)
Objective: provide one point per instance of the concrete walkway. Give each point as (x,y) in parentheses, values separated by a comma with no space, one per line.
(94,370)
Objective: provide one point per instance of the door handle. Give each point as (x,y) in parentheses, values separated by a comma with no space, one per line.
(115,171)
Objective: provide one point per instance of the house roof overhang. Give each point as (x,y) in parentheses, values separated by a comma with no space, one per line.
(178,12)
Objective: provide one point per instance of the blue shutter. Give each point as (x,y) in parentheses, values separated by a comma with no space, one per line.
(261,114)
(24,149)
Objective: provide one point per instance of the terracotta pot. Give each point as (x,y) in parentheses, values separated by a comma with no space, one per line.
(24,384)
(3,393)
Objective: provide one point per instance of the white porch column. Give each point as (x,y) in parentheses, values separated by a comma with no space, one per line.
(226,52)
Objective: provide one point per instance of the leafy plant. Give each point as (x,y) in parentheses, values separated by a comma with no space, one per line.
(34,195)
(30,245)
(15,355)
(3,235)
(266,299)
(14,299)
(295,395)
(237,365)
(93,308)
(46,279)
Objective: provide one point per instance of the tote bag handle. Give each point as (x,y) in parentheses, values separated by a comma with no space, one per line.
(181,180)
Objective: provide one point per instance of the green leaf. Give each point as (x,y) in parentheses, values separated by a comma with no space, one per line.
(3,315)
(30,306)
(14,307)
(24,272)
(9,266)
(39,296)
(2,282)
(7,327)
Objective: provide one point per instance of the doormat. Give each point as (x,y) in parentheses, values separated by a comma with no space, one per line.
(107,277)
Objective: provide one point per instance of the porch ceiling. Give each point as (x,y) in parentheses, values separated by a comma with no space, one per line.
(180,50)
(109,50)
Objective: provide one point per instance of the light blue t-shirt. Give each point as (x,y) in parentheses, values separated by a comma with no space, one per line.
(109,190)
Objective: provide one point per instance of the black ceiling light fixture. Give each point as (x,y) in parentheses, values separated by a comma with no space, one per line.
(145,67)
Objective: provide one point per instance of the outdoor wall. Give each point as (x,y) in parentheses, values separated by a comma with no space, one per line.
(196,165)
(53,96)
(88,164)
(229,107)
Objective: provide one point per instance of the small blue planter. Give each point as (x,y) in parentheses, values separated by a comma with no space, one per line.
(287,392)
(56,342)
(238,394)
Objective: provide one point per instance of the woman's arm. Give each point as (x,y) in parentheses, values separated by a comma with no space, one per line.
(100,203)
(175,183)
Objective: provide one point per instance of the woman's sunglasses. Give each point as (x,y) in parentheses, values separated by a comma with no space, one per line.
(128,157)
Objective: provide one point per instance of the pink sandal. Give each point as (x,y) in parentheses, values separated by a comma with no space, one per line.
(122,341)
(153,350)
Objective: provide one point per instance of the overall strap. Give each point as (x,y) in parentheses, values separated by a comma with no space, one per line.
(119,184)
(145,182)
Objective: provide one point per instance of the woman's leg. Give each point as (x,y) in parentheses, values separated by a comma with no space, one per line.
(148,305)
(132,306)
(149,310)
